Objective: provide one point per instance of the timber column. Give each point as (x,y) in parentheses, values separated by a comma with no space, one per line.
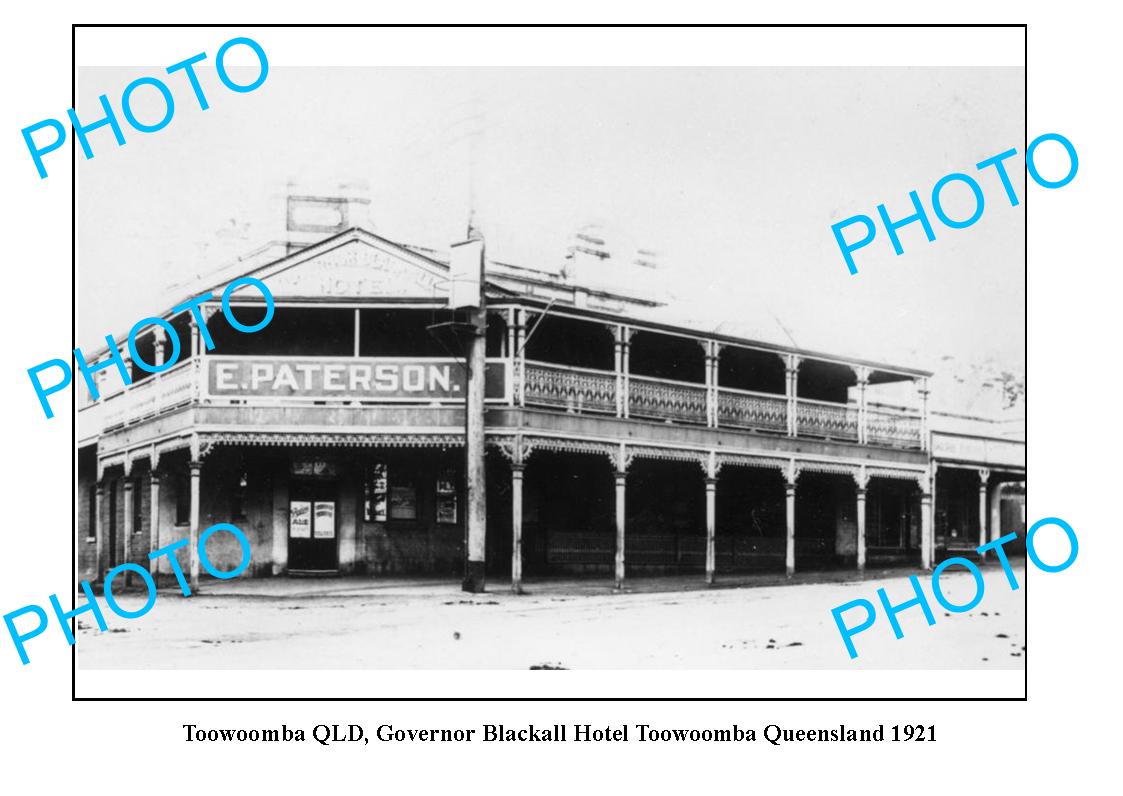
(791,389)
(984,476)
(517,528)
(196,469)
(711,514)
(925,523)
(127,529)
(98,524)
(711,505)
(713,352)
(623,384)
(925,423)
(789,503)
(154,512)
(862,479)
(621,482)
(996,511)
(862,374)
(622,462)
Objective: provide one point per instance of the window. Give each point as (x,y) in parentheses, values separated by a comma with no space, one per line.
(375,492)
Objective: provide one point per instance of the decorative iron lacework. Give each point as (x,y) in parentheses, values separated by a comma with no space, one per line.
(888,472)
(752,411)
(886,428)
(203,446)
(825,467)
(748,460)
(667,401)
(837,421)
(572,390)
(344,440)
(513,451)
(565,445)
(633,452)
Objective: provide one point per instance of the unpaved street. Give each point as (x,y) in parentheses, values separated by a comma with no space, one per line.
(364,623)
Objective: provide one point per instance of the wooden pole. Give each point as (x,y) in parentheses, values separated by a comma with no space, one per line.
(474,569)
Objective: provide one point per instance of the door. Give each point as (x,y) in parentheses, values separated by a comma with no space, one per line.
(313,525)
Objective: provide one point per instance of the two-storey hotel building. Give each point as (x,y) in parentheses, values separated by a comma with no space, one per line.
(615,443)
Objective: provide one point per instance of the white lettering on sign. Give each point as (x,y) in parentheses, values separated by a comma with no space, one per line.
(430,380)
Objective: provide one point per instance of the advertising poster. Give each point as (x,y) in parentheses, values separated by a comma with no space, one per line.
(300,519)
(324,524)
(403,503)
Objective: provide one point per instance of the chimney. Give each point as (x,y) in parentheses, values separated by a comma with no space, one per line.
(313,213)
(585,262)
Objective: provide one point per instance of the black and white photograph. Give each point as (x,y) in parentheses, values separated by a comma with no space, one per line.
(554,368)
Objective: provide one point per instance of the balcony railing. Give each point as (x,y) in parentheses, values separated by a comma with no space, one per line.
(153,396)
(828,420)
(581,390)
(567,389)
(662,399)
(894,428)
(572,389)
(752,410)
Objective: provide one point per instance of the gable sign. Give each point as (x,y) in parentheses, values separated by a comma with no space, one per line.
(357,270)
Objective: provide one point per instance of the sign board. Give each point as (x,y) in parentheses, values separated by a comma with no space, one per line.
(466,269)
(358,379)
(980,450)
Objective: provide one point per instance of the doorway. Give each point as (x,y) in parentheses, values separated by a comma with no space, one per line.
(313,527)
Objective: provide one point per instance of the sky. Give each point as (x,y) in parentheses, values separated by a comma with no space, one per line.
(733,175)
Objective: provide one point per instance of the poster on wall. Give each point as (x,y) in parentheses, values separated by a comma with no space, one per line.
(403,503)
(324,527)
(446,509)
(300,519)
(375,491)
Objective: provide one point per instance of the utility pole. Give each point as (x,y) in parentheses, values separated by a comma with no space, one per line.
(467,293)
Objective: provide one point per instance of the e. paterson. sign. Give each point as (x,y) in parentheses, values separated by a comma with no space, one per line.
(359,379)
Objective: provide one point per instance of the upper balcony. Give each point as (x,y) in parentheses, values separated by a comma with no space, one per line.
(354,357)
